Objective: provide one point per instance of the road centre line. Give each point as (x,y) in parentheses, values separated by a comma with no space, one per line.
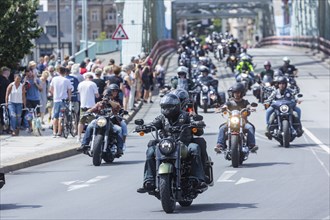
(316,140)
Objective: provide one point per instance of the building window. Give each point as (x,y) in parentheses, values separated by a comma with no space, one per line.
(95,34)
(110,15)
(51,30)
(95,16)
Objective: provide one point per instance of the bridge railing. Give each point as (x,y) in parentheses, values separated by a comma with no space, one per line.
(313,43)
(161,47)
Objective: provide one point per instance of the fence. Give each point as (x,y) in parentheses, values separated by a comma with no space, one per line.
(314,43)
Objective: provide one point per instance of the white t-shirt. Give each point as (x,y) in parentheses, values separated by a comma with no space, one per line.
(61,86)
(87,90)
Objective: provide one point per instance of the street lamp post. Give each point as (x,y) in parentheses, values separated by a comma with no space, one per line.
(119,20)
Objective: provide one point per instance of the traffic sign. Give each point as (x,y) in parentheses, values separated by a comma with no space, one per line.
(119,33)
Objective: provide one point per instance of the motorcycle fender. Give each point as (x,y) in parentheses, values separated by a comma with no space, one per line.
(165,168)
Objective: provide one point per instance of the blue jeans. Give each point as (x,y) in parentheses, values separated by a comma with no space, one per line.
(89,131)
(194,151)
(15,112)
(251,140)
(270,110)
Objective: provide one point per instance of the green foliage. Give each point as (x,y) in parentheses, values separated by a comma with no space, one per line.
(18,26)
(102,36)
(217,24)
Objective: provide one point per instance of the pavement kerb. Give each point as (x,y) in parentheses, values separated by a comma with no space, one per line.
(60,154)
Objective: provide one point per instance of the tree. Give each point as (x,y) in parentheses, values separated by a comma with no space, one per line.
(18,27)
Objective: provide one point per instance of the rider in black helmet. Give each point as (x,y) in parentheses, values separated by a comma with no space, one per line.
(171,115)
(237,103)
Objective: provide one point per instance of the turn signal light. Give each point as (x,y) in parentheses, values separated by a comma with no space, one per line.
(141,133)
(194,130)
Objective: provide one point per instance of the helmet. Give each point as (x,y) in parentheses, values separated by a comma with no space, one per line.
(204,61)
(282,79)
(182,95)
(113,86)
(267,63)
(107,93)
(204,69)
(238,87)
(286,59)
(245,58)
(182,70)
(170,105)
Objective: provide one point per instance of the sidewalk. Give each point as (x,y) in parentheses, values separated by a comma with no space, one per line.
(26,150)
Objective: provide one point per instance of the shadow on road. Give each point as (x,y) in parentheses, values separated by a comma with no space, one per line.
(252,165)
(16,206)
(117,162)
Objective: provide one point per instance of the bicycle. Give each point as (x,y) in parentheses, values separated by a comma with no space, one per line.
(69,121)
(6,121)
(33,116)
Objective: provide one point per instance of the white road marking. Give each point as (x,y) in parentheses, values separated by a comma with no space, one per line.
(78,184)
(244,180)
(316,140)
(226,175)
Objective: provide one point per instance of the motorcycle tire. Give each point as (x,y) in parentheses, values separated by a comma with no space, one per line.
(286,133)
(165,192)
(108,157)
(205,106)
(235,152)
(97,150)
(186,203)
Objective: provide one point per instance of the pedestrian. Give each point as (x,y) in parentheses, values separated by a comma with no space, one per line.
(125,74)
(75,72)
(133,77)
(116,79)
(60,87)
(4,82)
(99,83)
(15,100)
(43,94)
(88,91)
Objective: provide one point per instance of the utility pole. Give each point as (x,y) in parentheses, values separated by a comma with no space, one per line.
(73,29)
(58,31)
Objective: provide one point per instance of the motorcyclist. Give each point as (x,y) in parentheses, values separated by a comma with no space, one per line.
(171,115)
(118,127)
(288,68)
(236,103)
(270,76)
(245,65)
(282,93)
(268,71)
(181,81)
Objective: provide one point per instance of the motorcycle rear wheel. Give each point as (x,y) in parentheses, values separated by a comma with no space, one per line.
(97,150)
(235,153)
(166,198)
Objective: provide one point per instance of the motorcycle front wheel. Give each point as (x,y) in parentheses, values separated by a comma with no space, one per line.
(97,150)
(166,198)
(205,106)
(235,154)
(286,133)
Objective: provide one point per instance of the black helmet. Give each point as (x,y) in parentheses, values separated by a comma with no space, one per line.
(107,93)
(170,105)
(282,79)
(204,69)
(113,86)
(182,95)
(238,87)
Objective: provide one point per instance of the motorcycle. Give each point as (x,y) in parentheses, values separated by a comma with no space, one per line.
(264,89)
(283,122)
(5,127)
(104,140)
(2,180)
(244,78)
(208,97)
(237,150)
(174,182)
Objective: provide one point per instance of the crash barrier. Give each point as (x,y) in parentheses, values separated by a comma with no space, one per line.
(313,43)
(161,47)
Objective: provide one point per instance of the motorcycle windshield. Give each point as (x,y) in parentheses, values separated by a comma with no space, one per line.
(267,79)
(276,104)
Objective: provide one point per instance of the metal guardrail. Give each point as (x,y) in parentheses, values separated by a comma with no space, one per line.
(313,43)
(160,48)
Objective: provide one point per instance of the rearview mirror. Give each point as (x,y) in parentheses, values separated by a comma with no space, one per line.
(253,104)
(300,95)
(198,117)
(139,122)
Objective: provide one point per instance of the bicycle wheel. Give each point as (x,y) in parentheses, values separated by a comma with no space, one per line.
(65,126)
(36,127)
(74,124)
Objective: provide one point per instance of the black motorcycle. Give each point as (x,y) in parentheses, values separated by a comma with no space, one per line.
(2,180)
(174,182)
(264,89)
(104,139)
(237,150)
(283,122)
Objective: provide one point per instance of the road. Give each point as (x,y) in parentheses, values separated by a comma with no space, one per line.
(276,183)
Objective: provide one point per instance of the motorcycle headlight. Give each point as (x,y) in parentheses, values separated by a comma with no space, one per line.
(101,122)
(234,120)
(284,108)
(166,147)
(205,88)
(244,75)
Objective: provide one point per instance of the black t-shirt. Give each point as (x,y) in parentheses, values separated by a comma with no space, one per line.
(4,82)
(288,69)
(100,86)
(115,79)
(234,105)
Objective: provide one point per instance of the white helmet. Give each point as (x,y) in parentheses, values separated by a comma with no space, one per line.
(286,59)
(182,69)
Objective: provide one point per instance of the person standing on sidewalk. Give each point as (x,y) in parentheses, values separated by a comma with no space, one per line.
(4,82)
(60,87)
(88,91)
(15,99)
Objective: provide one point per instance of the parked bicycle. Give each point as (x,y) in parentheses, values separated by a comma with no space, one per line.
(70,119)
(33,117)
(6,122)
